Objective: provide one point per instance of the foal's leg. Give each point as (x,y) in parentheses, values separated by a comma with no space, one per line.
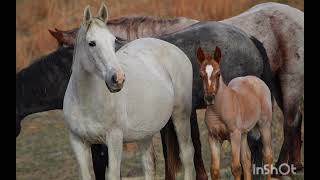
(182,126)
(147,158)
(83,155)
(235,138)
(114,143)
(245,158)
(215,158)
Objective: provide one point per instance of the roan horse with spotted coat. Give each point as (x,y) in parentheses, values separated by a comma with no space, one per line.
(232,111)
(144,89)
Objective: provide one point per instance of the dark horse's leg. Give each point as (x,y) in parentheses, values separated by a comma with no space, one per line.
(167,137)
(255,146)
(100,160)
(195,135)
(171,149)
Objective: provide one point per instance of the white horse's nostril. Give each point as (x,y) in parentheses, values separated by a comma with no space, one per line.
(120,77)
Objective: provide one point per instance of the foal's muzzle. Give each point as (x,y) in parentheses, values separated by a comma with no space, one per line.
(209,99)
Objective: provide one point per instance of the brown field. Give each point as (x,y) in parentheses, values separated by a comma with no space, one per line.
(35,17)
(43,150)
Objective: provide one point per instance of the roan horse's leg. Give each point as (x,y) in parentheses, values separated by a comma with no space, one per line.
(215,157)
(82,152)
(295,157)
(147,157)
(291,98)
(182,127)
(114,143)
(245,158)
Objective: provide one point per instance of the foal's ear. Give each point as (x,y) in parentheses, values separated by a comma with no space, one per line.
(87,14)
(217,54)
(200,55)
(103,13)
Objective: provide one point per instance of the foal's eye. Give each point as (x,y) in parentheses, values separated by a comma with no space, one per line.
(92,43)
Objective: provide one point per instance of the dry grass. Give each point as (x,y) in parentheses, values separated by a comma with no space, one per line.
(44,152)
(35,17)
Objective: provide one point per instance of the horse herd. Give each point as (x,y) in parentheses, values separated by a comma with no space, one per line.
(117,84)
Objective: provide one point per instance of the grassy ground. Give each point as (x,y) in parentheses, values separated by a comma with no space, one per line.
(43,150)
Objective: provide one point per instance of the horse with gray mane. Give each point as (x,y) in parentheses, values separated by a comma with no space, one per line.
(280,29)
(105,88)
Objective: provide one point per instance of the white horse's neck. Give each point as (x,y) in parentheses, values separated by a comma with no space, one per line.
(89,87)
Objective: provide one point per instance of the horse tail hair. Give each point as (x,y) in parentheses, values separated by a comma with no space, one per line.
(272,82)
(255,143)
(171,150)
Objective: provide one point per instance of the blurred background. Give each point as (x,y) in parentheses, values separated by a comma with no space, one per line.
(35,17)
(42,149)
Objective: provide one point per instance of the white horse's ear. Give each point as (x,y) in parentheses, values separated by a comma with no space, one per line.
(103,13)
(87,14)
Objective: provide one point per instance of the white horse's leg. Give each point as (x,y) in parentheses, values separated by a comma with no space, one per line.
(82,152)
(181,123)
(147,158)
(114,143)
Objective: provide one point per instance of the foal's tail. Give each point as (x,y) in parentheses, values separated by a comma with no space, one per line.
(171,150)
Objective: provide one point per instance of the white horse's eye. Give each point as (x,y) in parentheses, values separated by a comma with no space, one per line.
(92,43)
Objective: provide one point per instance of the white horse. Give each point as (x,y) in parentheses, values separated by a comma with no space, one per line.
(126,96)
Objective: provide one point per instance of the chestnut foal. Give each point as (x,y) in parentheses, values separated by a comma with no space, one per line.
(232,111)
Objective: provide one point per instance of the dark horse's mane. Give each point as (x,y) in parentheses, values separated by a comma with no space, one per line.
(41,94)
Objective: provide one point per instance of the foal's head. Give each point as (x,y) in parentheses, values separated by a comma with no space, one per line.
(210,73)
(97,45)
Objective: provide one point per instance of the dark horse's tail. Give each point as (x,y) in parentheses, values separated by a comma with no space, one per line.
(171,150)
(254,143)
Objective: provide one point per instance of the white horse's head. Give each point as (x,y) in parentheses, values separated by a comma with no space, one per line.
(98,45)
